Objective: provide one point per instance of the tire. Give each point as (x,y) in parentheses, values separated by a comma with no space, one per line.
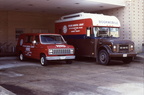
(21,57)
(68,61)
(43,60)
(127,60)
(103,57)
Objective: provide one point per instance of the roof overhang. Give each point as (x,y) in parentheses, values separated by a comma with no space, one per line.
(60,6)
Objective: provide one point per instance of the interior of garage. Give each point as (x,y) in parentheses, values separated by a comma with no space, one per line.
(39,16)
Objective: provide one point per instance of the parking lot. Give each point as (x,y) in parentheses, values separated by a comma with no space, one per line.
(82,77)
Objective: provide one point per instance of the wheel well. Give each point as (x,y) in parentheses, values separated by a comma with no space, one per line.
(41,54)
(19,52)
(101,48)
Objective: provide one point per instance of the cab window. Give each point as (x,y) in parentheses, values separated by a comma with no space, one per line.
(88,32)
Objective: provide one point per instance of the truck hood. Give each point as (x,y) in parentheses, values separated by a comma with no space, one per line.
(115,41)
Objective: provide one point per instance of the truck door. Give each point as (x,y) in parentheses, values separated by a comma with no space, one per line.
(35,48)
(89,42)
(86,46)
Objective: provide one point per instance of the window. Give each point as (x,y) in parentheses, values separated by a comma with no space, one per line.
(21,42)
(88,31)
(29,39)
(52,39)
(106,31)
(18,32)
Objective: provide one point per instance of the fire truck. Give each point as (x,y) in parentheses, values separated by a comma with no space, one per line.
(95,35)
(44,47)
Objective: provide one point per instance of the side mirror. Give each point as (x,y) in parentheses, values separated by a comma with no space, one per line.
(88,32)
(34,42)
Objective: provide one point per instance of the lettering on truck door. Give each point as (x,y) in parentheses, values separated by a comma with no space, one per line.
(27,46)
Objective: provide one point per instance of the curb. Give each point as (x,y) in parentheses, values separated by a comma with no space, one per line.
(140,56)
(4,91)
(7,58)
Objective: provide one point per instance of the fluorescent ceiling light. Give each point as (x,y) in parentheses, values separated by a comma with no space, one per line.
(115,2)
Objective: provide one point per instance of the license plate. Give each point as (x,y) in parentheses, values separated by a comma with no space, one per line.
(62,57)
(124,55)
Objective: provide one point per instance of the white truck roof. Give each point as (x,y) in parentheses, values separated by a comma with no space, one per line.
(97,19)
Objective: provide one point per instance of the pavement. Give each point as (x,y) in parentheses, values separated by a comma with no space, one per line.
(140,55)
(4,91)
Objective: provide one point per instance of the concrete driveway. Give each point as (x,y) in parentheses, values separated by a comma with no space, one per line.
(82,77)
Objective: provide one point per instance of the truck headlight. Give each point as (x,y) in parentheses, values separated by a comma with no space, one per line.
(50,51)
(114,48)
(131,47)
(71,51)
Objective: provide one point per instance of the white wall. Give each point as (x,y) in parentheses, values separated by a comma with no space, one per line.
(132,21)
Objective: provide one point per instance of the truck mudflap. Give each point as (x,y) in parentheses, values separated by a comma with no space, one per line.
(122,55)
(60,57)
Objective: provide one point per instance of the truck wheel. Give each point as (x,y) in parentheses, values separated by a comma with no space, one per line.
(21,57)
(127,60)
(103,57)
(69,61)
(43,60)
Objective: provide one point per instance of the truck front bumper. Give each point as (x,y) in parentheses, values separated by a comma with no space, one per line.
(122,54)
(60,57)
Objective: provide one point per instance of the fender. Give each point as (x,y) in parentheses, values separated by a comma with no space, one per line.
(106,47)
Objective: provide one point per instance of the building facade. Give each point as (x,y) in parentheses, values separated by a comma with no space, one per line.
(132,22)
(13,23)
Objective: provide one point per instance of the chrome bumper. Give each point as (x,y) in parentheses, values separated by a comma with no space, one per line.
(122,54)
(60,57)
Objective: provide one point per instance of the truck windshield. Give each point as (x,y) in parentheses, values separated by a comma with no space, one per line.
(105,32)
(52,39)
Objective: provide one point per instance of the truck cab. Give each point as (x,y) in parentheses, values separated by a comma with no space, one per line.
(110,46)
(44,47)
(95,35)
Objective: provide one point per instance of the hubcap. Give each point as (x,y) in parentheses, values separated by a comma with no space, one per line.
(103,57)
(42,60)
(21,57)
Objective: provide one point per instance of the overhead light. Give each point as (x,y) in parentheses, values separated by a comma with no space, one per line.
(101,6)
(30,5)
(76,3)
(17,9)
(43,11)
(58,7)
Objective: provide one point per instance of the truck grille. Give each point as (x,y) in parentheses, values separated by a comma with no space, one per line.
(61,51)
(123,48)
